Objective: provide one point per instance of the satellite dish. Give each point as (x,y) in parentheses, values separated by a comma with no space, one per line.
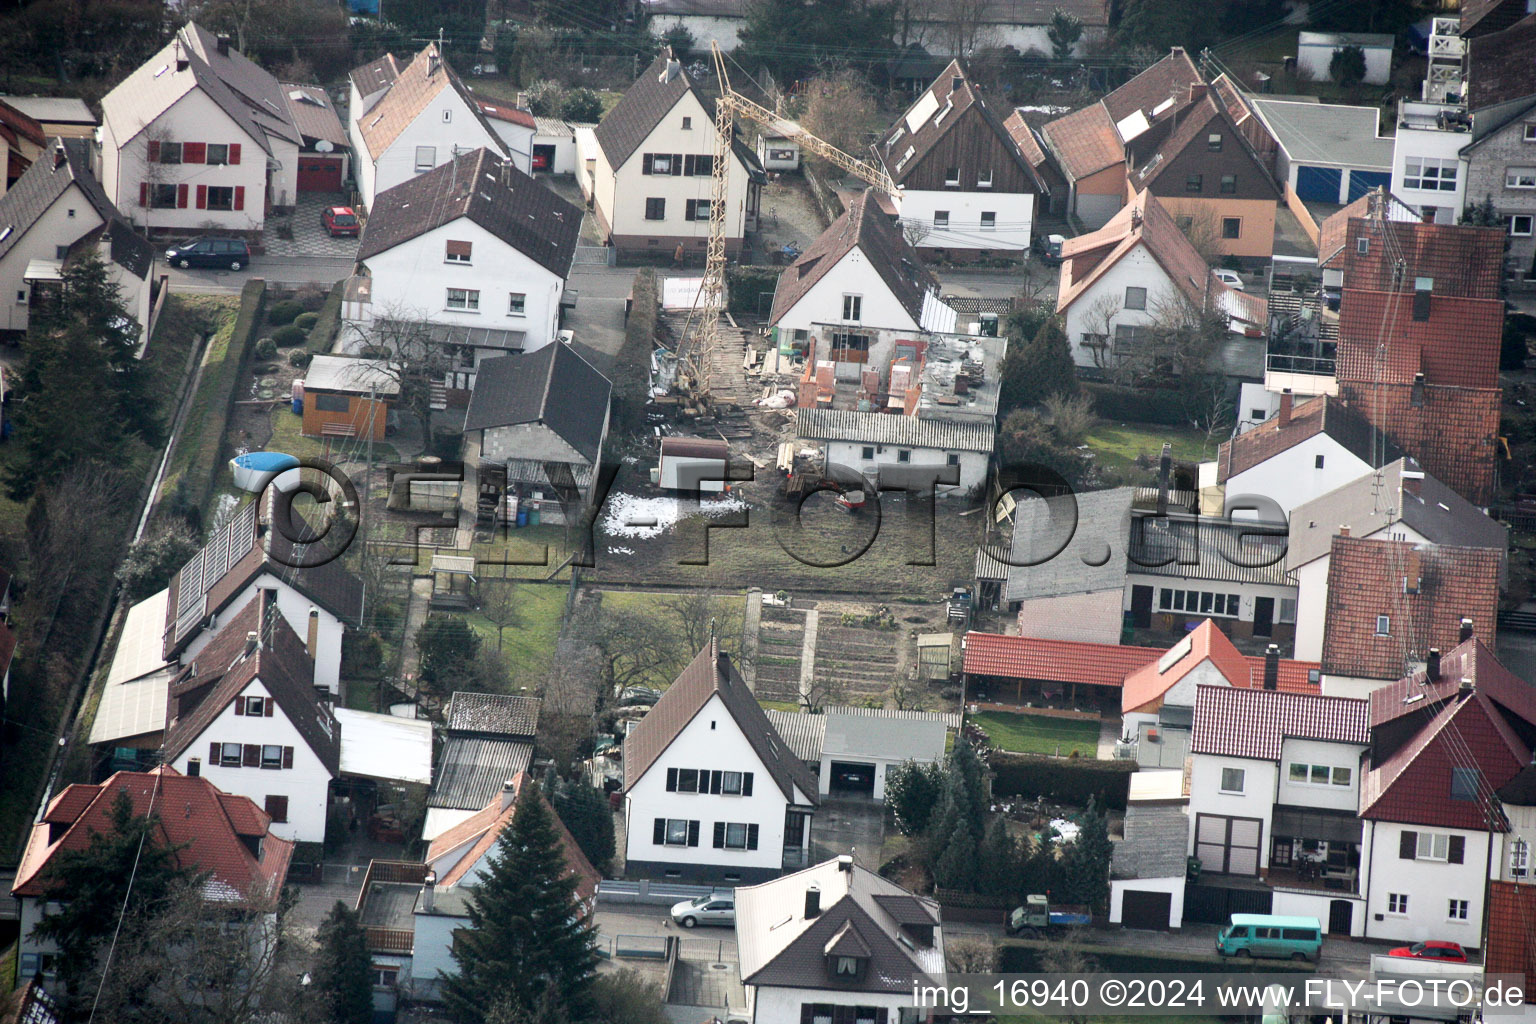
(324,146)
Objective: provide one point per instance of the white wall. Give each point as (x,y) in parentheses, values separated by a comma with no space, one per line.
(1411,142)
(1182,693)
(285,177)
(1522,825)
(774,1005)
(1246,592)
(1351,686)
(1312,594)
(1312,62)
(432,953)
(294,607)
(711,741)
(1136,269)
(1429,886)
(1255,404)
(973,465)
(1290,903)
(519,140)
(416,275)
(193,118)
(62,224)
(1014,213)
(1310,752)
(565,152)
(853,275)
(306,784)
(1175,886)
(1255,801)
(398,163)
(1292,478)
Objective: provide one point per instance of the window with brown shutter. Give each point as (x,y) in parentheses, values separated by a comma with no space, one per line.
(1458,850)
(277,807)
(251,757)
(213,753)
(1407,845)
(458,252)
(287,757)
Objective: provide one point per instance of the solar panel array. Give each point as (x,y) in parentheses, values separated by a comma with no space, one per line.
(209,565)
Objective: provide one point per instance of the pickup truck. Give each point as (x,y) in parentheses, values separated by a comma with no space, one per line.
(1037,917)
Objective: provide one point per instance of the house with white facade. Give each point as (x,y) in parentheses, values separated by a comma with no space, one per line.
(852,750)
(54,211)
(1444,741)
(517,129)
(1118,280)
(227,836)
(965,189)
(836,942)
(245,715)
(1275,784)
(1149,867)
(473,257)
(711,791)
(317,596)
(867,441)
(651,177)
(1399,502)
(199,137)
(411,118)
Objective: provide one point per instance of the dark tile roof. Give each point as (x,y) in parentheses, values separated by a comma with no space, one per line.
(1188,547)
(492,193)
(711,673)
(1256,723)
(1202,118)
(1451,431)
(1085,141)
(1502,68)
(1472,660)
(933,130)
(129,249)
(42,184)
(1334,232)
(642,107)
(1509,948)
(865,227)
(314,115)
(223,670)
(495,714)
(472,769)
(1170,77)
(1321,415)
(205,828)
(553,386)
(236,556)
(1156,841)
(1425,590)
(376,74)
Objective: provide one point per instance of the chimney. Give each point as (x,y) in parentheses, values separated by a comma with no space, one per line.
(1272,667)
(428,890)
(1197,90)
(1286,400)
(812,902)
(508,793)
(1465,633)
(672,70)
(1416,393)
(1413,479)
(1432,665)
(1344,530)
(1164,466)
(223,44)
(845,863)
(59,156)
(252,643)
(312,640)
(1466,686)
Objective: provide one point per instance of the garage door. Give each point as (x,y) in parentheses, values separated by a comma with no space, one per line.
(1318,184)
(1140,908)
(853,777)
(1361,182)
(319,174)
(1228,845)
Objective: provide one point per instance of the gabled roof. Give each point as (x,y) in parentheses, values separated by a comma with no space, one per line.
(1472,660)
(709,674)
(861,914)
(1042,525)
(1479,17)
(1464,261)
(1149,91)
(1323,414)
(1145,688)
(376,74)
(1502,69)
(1256,723)
(42,184)
(1452,431)
(491,192)
(417,85)
(1063,661)
(906,431)
(507,113)
(1425,590)
(1403,493)
(1085,141)
(314,115)
(1333,234)
(494,714)
(1202,117)
(480,831)
(22,125)
(53,109)
(1024,139)
(935,115)
(218,832)
(1413,783)
(553,386)
(864,227)
(644,104)
(234,557)
(224,669)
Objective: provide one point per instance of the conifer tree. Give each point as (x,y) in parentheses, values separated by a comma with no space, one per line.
(342,973)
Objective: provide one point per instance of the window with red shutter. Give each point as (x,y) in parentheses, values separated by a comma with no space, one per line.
(143,193)
(251,756)
(234,152)
(287,757)
(181,197)
(202,197)
(193,152)
(239,189)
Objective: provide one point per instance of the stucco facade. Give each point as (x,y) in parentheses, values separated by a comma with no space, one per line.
(1255,222)
(65,221)
(445,128)
(1429,886)
(295,609)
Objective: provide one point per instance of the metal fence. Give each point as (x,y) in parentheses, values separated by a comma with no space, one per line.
(649,893)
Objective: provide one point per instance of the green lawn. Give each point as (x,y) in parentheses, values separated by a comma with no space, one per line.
(529,646)
(1040,734)
(1115,446)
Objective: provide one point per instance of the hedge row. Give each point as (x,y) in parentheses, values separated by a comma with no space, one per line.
(324,332)
(1022,956)
(1161,406)
(195,459)
(746,287)
(632,364)
(1071,780)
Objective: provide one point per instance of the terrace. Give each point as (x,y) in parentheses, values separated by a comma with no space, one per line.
(387,905)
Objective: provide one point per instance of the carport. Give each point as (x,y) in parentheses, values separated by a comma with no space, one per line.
(862,744)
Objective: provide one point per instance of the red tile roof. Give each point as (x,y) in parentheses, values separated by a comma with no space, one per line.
(1255,723)
(1085,141)
(205,824)
(1451,431)
(1057,661)
(1424,590)
(1471,660)
(1169,77)
(1379,339)
(504,112)
(1463,260)
(1320,415)
(1511,940)
(1413,783)
(1144,688)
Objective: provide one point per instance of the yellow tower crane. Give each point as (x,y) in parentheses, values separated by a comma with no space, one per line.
(702,330)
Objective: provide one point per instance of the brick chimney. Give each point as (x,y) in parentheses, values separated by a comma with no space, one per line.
(1272,667)
(223,44)
(1465,632)
(1344,530)
(508,793)
(1432,665)
(1286,401)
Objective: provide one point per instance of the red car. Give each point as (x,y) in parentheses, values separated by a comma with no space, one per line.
(1445,952)
(340,222)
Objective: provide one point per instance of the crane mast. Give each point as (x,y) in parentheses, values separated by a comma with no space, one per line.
(701,332)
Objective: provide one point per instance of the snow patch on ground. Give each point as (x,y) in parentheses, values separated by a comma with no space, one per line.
(629,515)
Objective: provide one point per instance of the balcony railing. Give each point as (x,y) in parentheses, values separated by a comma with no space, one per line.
(1322,366)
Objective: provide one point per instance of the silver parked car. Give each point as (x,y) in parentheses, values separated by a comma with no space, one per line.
(706,910)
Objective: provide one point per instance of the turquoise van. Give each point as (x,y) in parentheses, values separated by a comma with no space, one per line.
(1282,938)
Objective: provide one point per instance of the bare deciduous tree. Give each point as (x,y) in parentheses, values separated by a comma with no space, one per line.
(915,230)
(415,359)
(498,603)
(1099,318)
(840,108)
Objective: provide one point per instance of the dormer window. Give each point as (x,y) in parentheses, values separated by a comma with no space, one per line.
(846,967)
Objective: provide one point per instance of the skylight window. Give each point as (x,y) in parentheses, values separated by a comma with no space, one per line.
(162,70)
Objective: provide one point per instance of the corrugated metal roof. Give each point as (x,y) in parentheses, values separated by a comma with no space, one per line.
(471,771)
(1208,548)
(802,733)
(902,431)
(951,721)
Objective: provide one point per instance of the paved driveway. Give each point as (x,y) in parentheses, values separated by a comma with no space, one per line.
(309,238)
(848,825)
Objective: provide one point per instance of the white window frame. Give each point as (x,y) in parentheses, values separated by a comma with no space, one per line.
(1416,174)
(1519,859)
(1520,177)
(225,761)
(941,218)
(1242,780)
(517,304)
(1331,773)
(951,179)
(253,706)
(1530,132)
(277,759)
(1383,625)
(984,179)
(687,124)
(730,783)
(735,835)
(1457,910)
(853,308)
(989,220)
(430,161)
(667,839)
(469,303)
(1143,298)
(447,115)
(1437,844)
(1397,904)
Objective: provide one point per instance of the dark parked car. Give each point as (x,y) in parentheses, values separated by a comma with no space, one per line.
(232,253)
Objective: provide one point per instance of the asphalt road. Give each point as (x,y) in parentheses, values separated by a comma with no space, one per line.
(279,269)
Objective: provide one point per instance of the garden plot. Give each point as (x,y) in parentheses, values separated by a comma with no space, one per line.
(859,654)
(780,637)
